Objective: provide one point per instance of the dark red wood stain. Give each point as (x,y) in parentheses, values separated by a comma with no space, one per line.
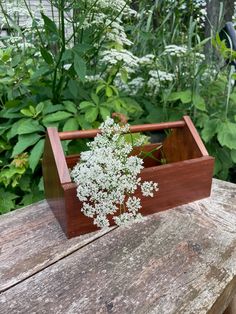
(185,178)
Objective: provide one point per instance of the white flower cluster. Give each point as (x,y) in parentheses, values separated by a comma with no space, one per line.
(113,56)
(147,59)
(156,78)
(118,6)
(174,50)
(107,177)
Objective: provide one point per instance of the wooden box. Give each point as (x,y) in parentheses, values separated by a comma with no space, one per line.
(186,177)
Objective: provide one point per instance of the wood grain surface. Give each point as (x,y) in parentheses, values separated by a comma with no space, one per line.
(182,261)
(30,240)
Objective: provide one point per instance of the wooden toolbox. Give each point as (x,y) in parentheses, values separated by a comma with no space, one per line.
(186,176)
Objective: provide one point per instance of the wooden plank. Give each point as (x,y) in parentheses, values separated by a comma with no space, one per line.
(30,240)
(175,262)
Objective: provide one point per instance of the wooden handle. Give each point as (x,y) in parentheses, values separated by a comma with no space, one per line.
(134,129)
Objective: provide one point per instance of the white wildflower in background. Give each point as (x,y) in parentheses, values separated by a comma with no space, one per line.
(156,78)
(107,177)
(174,50)
(147,59)
(136,85)
(125,57)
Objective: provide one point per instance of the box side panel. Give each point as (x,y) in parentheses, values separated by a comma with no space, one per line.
(77,222)
(54,192)
(179,183)
(181,145)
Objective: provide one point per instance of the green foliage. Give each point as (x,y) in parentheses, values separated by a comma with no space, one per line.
(73,72)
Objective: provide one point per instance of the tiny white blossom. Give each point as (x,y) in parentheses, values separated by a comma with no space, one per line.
(107,176)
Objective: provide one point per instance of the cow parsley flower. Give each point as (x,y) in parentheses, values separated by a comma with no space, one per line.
(107,177)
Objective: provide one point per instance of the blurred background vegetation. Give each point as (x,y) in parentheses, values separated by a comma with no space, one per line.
(70,64)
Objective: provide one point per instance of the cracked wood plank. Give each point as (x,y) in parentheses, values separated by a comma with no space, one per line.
(30,240)
(182,261)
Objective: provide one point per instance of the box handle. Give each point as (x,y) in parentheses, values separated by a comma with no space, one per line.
(69,135)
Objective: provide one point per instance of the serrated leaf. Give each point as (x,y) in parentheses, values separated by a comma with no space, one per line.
(6,201)
(25,141)
(70,106)
(227,134)
(57,116)
(70,125)
(91,114)
(80,67)
(36,154)
(30,126)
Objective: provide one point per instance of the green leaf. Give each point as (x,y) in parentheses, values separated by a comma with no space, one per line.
(86,104)
(80,67)
(57,116)
(71,125)
(27,112)
(105,112)
(85,125)
(4,146)
(70,106)
(40,107)
(233,155)
(199,102)
(95,98)
(67,55)
(100,87)
(36,154)
(35,195)
(209,130)
(227,134)
(14,129)
(50,108)
(49,25)
(124,75)
(73,88)
(184,96)
(30,126)
(6,201)
(46,55)
(12,103)
(24,141)
(81,48)
(109,91)
(91,114)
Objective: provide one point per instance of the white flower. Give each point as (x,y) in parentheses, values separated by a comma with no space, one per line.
(174,50)
(107,176)
(113,56)
(148,187)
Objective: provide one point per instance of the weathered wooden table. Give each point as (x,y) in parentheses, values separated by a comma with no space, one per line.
(179,261)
